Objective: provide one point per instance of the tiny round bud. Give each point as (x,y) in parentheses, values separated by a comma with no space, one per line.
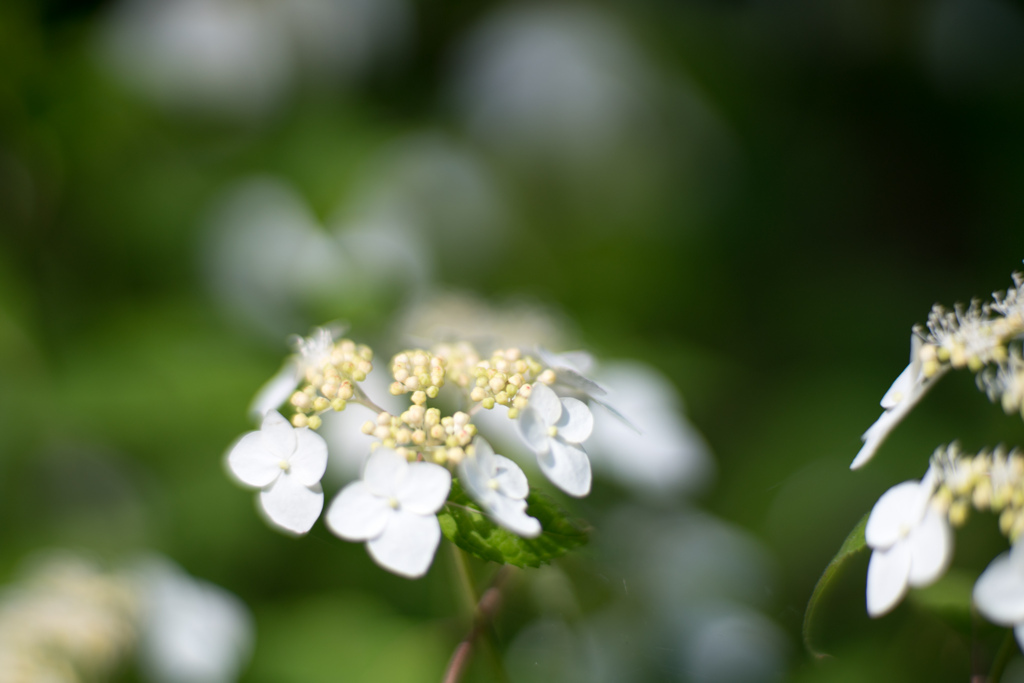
(455,455)
(487,403)
(368,427)
(432,391)
(301,400)
(513,413)
(419,397)
(300,420)
(338,405)
(320,404)
(547,377)
(314,422)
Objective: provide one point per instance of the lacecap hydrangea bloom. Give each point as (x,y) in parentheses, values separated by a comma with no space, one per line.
(419,453)
(910,529)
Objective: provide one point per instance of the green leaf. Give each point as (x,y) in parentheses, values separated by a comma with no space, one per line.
(463,524)
(852,546)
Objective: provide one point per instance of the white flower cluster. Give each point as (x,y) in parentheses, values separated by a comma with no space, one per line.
(910,528)
(407,476)
(910,531)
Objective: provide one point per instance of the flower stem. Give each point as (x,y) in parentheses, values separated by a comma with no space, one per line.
(484,607)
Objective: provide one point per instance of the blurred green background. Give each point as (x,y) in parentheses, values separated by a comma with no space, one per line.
(758,198)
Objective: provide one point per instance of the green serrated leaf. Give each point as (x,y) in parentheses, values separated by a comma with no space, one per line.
(464,525)
(852,546)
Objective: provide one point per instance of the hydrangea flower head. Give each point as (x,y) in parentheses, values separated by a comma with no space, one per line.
(912,543)
(393,509)
(554,428)
(286,463)
(499,486)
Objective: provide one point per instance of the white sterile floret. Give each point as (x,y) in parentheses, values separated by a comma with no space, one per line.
(499,486)
(393,509)
(905,392)
(912,543)
(287,463)
(999,592)
(554,428)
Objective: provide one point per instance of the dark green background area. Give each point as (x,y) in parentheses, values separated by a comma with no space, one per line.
(776,285)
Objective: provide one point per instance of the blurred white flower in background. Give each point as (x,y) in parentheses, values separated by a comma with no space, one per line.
(659,452)
(241,57)
(267,257)
(443,191)
(66,620)
(686,594)
(192,631)
(551,81)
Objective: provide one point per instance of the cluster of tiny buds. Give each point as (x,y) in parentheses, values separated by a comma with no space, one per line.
(330,385)
(461,359)
(506,379)
(419,372)
(422,433)
(986,481)
(964,338)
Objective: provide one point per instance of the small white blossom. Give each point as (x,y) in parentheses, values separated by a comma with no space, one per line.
(999,593)
(286,463)
(912,543)
(905,392)
(499,486)
(393,509)
(554,429)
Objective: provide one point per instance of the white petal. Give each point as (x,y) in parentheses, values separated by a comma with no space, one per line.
(533,429)
(575,382)
(511,514)
(999,592)
(251,462)
(888,571)
(567,466)
(1019,632)
(385,469)
(576,422)
(425,488)
(893,515)
(931,550)
(511,481)
(878,432)
(545,402)
(276,391)
(309,461)
(484,454)
(356,514)
(407,545)
(278,435)
(473,477)
(292,506)
(902,388)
